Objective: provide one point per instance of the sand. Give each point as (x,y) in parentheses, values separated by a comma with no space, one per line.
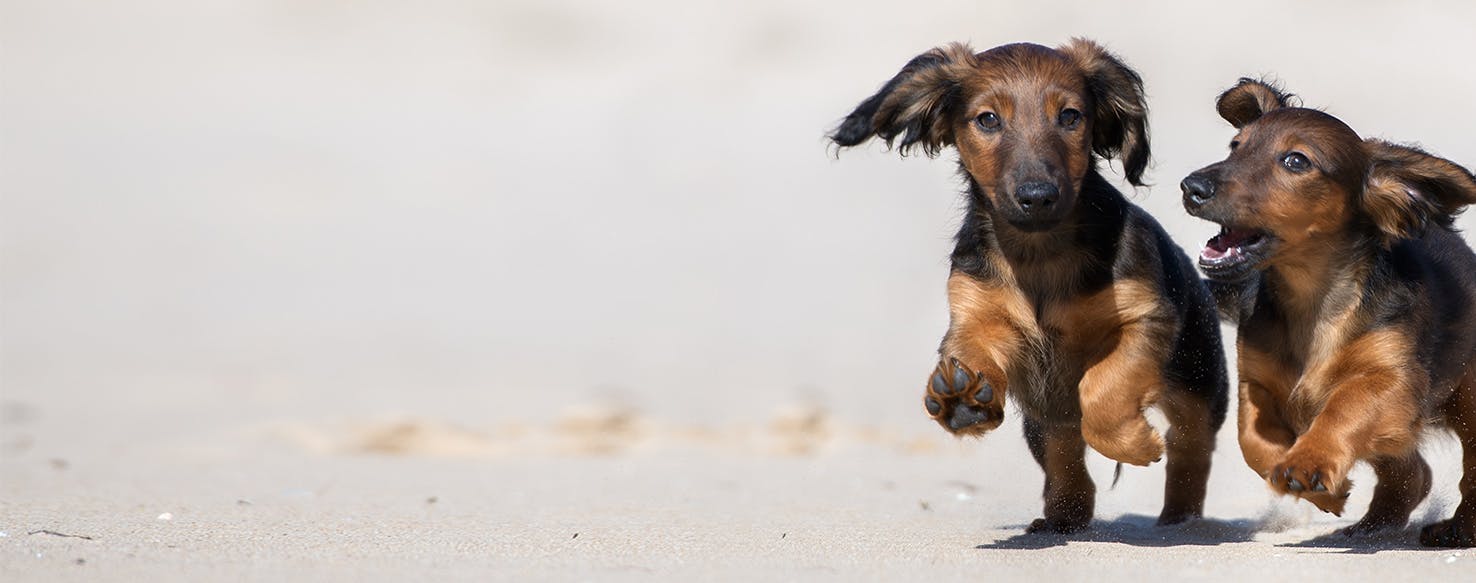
(614,495)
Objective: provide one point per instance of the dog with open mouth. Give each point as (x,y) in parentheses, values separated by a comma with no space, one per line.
(1063,296)
(1355,302)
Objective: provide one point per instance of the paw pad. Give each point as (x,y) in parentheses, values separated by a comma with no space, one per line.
(961,400)
(1308,477)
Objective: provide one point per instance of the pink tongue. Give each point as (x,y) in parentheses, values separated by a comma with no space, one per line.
(1234,239)
(1225,244)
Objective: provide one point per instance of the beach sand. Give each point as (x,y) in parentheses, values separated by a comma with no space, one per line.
(612,495)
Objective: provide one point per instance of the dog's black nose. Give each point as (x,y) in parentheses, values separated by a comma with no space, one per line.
(1197,189)
(1036,196)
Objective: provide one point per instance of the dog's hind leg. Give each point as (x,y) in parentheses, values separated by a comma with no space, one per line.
(1190,442)
(1459,530)
(1070,495)
(1403,484)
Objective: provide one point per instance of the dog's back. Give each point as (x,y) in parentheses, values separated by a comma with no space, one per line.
(1432,280)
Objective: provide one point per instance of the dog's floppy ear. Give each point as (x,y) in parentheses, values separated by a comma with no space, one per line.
(1120,112)
(918,103)
(1408,188)
(1250,99)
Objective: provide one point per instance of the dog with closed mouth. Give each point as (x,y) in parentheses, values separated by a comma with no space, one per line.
(1063,296)
(1355,302)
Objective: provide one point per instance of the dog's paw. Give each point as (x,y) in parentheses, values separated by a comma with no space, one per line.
(1312,476)
(1173,517)
(1450,533)
(1393,503)
(1371,524)
(961,400)
(1058,526)
(1135,442)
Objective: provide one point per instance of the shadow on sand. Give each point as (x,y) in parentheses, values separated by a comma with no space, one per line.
(1407,539)
(1137,530)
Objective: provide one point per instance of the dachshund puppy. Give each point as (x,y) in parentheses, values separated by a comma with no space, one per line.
(1063,296)
(1354,299)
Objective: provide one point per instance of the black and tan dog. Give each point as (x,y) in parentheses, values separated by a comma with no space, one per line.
(1063,295)
(1356,305)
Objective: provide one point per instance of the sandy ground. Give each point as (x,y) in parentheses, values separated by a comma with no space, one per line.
(608,494)
(565,289)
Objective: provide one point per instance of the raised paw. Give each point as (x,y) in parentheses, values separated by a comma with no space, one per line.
(961,400)
(1313,477)
(1132,442)
(1450,533)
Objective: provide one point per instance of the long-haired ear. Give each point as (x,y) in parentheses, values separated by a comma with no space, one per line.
(1120,112)
(918,103)
(1407,189)
(1250,99)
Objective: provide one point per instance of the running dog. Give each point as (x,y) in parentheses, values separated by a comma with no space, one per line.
(1354,299)
(1063,296)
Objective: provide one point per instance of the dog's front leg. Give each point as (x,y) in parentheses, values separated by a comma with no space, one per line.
(1131,332)
(1263,434)
(966,392)
(1117,389)
(1371,388)
(1266,382)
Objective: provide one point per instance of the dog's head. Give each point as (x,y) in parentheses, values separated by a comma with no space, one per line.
(1297,181)
(1024,118)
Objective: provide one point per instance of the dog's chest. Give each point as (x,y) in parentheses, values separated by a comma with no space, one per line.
(1294,363)
(1057,349)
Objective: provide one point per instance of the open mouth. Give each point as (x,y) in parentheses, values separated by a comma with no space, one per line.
(1233,253)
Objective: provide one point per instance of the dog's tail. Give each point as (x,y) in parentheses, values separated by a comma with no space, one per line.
(1116,475)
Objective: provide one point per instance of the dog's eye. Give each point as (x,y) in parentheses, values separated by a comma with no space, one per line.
(989,121)
(1068,118)
(1234,144)
(1296,162)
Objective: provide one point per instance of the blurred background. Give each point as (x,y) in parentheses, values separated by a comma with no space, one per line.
(232,211)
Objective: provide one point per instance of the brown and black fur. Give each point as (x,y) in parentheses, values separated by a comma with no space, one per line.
(1063,295)
(1354,299)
